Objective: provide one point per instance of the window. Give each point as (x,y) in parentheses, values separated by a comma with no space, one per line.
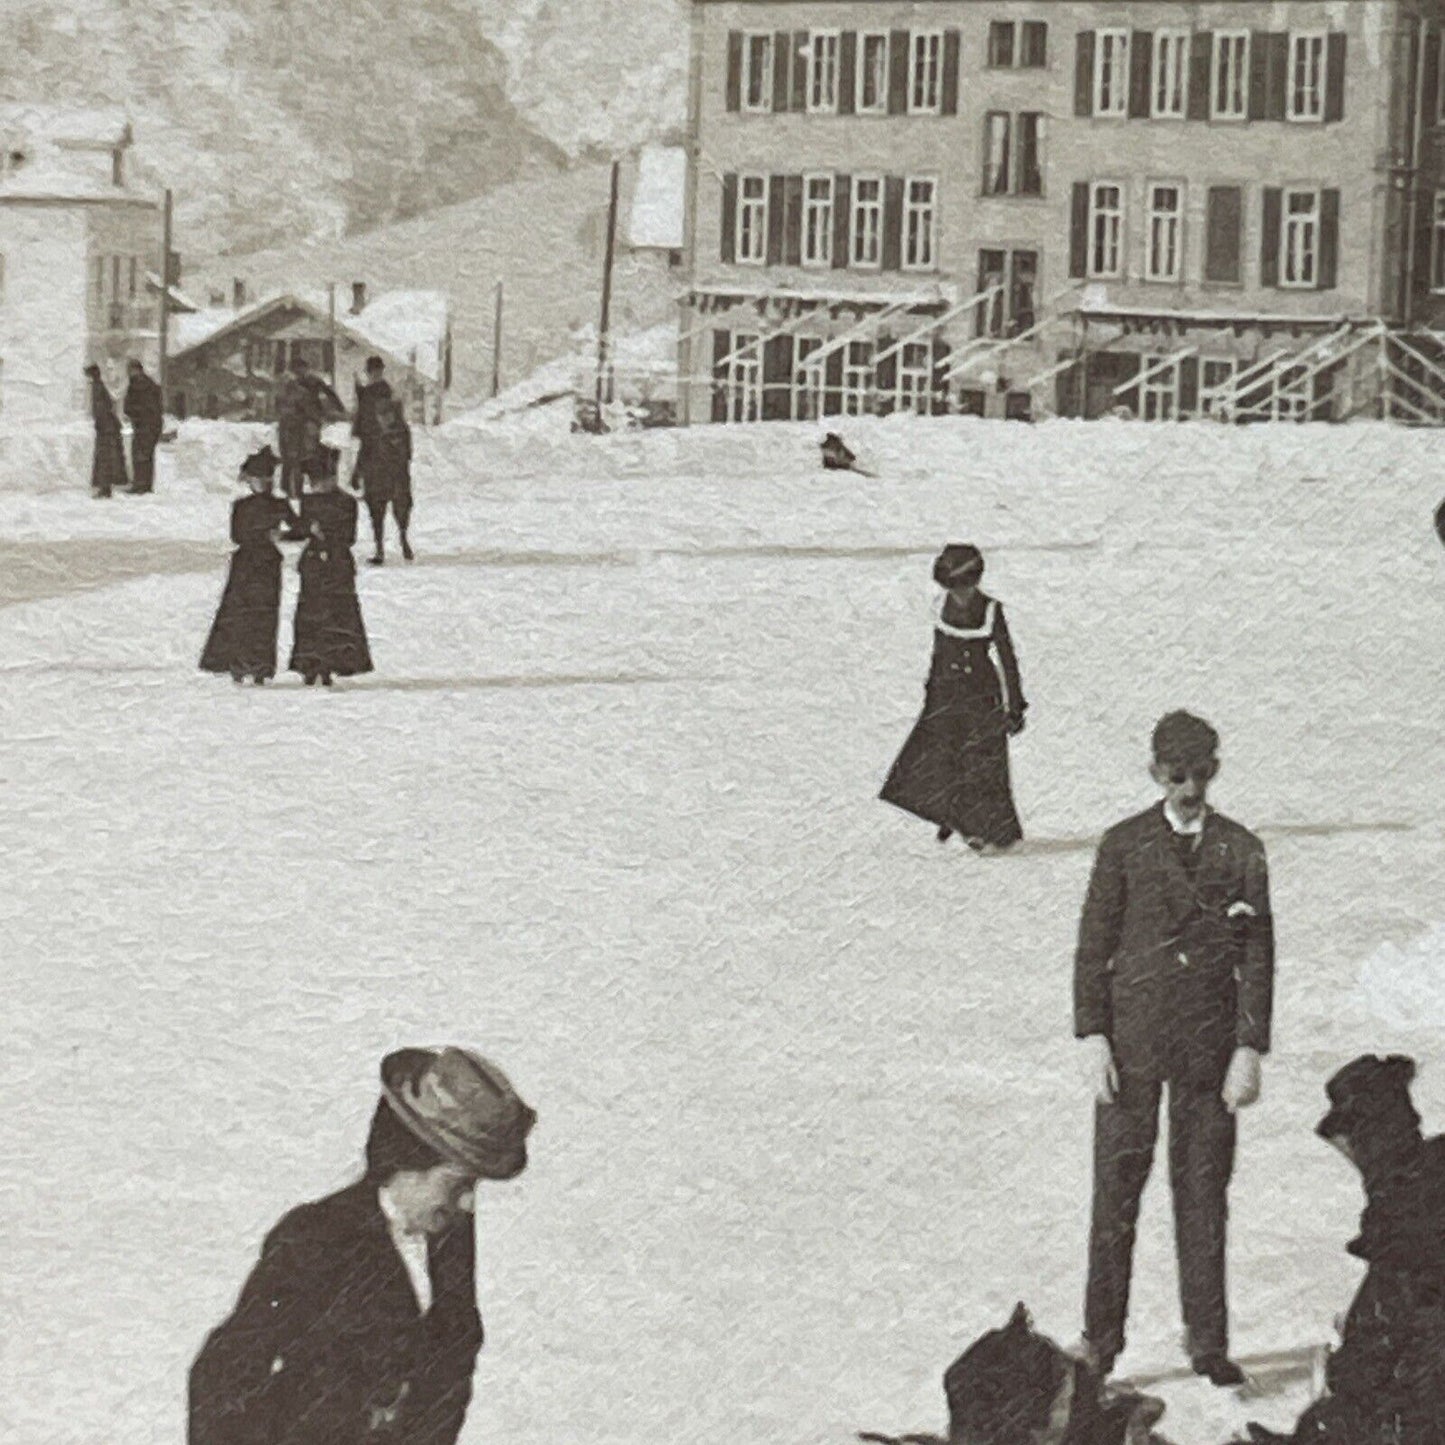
(1159,390)
(919,210)
(872,90)
(1164,253)
(1106,228)
(1007,171)
(1028,172)
(867,228)
(1306,92)
(857,377)
(925,72)
(1437,244)
(758,72)
(744,377)
(134,278)
(1111,72)
(823,71)
(998,126)
(1013,45)
(807,396)
(1171,74)
(1001,45)
(1300,239)
(752,229)
(1229,94)
(1034,51)
(915,365)
(1216,382)
(818,220)
(1009,282)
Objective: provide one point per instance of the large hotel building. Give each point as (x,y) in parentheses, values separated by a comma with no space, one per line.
(1038,207)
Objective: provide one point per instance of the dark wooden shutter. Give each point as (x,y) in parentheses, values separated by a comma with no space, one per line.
(885,378)
(842,221)
(1258,73)
(1201,58)
(735,69)
(1141,67)
(1084,73)
(793,221)
(1269,238)
(777,200)
(1276,83)
(833,382)
(950,72)
(892,222)
(1188,385)
(721,345)
(1224,234)
(847,72)
(1430,82)
(1079,231)
(801,42)
(941,382)
(1328,269)
(777,378)
(1424,242)
(900,48)
(1335,76)
(729,227)
(782,69)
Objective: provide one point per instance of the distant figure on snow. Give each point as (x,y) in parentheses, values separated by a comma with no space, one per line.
(330,638)
(243,636)
(1386,1381)
(953,770)
(304,403)
(383,463)
(107,468)
(144,411)
(360,1321)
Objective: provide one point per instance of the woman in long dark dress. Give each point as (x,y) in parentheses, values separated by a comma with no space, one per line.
(107,466)
(330,635)
(953,770)
(243,636)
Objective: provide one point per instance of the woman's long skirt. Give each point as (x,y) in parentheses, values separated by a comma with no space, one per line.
(953,771)
(243,636)
(107,464)
(330,635)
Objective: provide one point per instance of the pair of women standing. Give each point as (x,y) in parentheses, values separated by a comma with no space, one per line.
(330,637)
(953,770)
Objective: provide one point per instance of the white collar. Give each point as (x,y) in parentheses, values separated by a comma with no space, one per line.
(1188,827)
(394,1220)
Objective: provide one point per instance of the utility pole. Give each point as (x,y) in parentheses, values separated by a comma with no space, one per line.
(331,328)
(607,292)
(164,327)
(497,344)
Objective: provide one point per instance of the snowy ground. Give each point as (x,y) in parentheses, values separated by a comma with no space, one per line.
(810,1115)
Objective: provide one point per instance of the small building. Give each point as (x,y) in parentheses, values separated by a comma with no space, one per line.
(226,362)
(79,256)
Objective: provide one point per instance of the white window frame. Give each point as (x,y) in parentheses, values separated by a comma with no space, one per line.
(1159,391)
(757,253)
(1118,213)
(823,43)
(764,103)
(1230,44)
(1212,393)
(912,209)
(913,390)
(925,72)
(1156,221)
(1310,224)
(857,377)
(1298,39)
(995,169)
(856,209)
(1170,82)
(1113,44)
(806,394)
(821,257)
(1290,397)
(1437,244)
(744,380)
(880,105)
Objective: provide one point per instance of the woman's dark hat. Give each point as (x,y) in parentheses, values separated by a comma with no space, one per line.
(959,562)
(1367,1091)
(261,464)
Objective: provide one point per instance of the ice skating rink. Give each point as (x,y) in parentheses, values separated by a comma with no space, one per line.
(810,1111)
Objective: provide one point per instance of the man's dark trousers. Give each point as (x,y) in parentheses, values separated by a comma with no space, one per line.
(143,442)
(1201,1161)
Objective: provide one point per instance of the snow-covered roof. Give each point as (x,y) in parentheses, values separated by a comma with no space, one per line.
(51,176)
(69,127)
(657,199)
(191,328)
(179,300)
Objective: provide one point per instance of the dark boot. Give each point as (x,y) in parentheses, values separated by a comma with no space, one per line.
(1219,1370)
(944,833)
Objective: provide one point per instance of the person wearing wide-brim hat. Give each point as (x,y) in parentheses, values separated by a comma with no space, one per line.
(360,1322)
(953,770)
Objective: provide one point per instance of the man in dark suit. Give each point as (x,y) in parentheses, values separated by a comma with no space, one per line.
(360,1322)
(144,411)
(1173,985)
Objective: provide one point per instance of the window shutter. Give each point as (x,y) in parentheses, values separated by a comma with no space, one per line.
(885,377)
(1424,242)
(1430,100)
(1335,76)
(793,221)
(735,69)
(777,378)
(892,223)
(729,227)
(847,72)
(1141,65)
(900,52)
(1269,239)
(1201,58)
(782,69)
(1188,386)
(777,199)
(941,381)
(1329,264)
(1223,234)
(950,72)
(842,221)
(721,345)
(1079,231)
(1084,73)
(801,42)
(1258,73)
(1276,75)
(833,382)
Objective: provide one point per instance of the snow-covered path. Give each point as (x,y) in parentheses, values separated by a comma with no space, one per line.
(809,1110)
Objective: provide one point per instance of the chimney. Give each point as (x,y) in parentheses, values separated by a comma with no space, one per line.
(218,298)
(358,297)
(117,166)
(238,294)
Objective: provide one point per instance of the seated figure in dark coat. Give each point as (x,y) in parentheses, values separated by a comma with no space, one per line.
(359,1325)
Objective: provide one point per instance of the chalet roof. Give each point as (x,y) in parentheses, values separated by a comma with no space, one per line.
(406,327)
(657,198)
(50,175)
(68,127)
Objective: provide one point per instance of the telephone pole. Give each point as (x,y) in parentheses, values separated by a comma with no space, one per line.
(607,293)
